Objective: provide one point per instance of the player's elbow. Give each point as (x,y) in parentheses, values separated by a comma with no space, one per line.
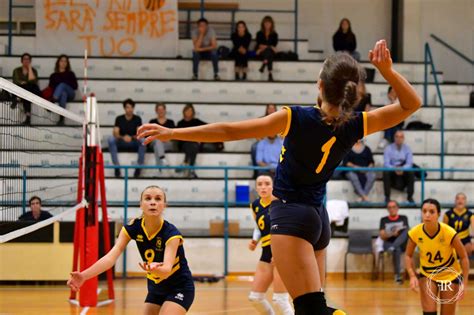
(418,102)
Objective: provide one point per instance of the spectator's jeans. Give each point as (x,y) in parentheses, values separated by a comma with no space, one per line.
(116,145)
(253,156)
(33,88)
(369,183)
(390,179)
(63,93)
(159,148)
(212,55)
(268,54)
(190,150)
(397,247)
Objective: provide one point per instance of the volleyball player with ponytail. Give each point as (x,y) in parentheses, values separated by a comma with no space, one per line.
(316,140)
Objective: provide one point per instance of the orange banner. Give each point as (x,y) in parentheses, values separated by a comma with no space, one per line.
(119,28)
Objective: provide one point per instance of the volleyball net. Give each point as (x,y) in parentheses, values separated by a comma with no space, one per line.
(52,155)
(38,156)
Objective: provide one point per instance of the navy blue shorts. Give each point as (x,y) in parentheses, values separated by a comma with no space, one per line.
(183,298)
(266,254)
(466,240)
(301,220)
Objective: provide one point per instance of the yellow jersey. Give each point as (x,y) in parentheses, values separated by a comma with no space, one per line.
(436,252)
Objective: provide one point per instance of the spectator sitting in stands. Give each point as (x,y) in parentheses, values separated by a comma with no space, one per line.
(362,181)
(270,109)
(267,40)
(160,147)
(124,136)
(365,103)
(36,214)
(241,40)
(63,82)
(268,152)
(398,155)
(190,149)
(389,134)
(204,47)
(462,220)
(394,233)
(345,40)
(27,78)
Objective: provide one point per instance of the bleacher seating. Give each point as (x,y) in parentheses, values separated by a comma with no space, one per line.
(149,80)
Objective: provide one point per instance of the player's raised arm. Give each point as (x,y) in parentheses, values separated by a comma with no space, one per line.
(218,132)
(409,101)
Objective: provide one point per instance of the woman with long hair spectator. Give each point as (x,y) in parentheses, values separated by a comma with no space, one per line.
(345,40)
(63,82)
(189,148)
(267,40)
(241,40)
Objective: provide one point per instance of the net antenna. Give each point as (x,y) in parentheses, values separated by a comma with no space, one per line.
(86,230)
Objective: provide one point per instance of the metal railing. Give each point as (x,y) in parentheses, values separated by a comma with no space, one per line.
(202,10)
(294,11)
(226,204)
(430,62)
(451,48)
(12,6)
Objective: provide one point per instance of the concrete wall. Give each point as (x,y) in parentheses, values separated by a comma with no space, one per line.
(452,21)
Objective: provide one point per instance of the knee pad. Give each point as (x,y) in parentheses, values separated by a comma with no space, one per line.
(282,303)
(260,303)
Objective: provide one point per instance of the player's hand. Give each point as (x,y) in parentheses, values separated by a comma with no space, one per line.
(150,132)
(76,280)
(380,56)
(414,284)
(150,267)
(252,245)
(127,138)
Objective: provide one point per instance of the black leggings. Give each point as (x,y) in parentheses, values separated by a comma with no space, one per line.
(241,60)
(33,88)
(268,54)
(190,150)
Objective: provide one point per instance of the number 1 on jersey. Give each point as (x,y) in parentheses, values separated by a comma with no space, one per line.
(326,149)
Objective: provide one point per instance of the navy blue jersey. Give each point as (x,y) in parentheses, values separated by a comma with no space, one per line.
(460,222)
(311,151)
(262,218)
(152,249)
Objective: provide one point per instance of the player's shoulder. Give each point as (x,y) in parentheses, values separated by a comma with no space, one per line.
(447,228)
(254,205)
(169,228)
(134,222)
(417,229)
(133,227)
(449,212)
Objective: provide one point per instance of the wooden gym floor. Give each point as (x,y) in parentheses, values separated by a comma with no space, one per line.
(355,296)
